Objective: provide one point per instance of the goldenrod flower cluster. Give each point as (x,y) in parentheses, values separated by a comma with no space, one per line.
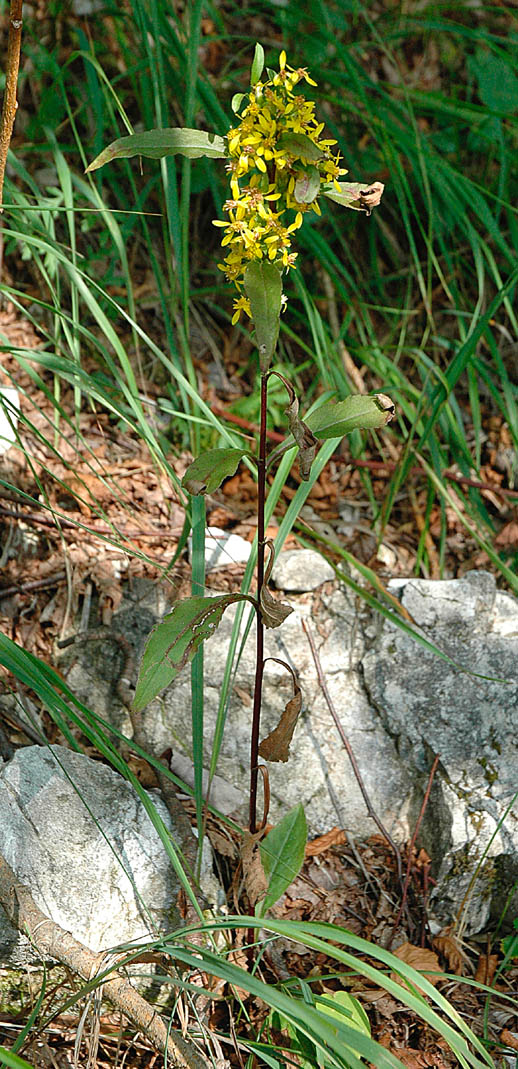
(270,166)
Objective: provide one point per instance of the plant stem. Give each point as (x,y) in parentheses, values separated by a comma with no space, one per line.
(259,667)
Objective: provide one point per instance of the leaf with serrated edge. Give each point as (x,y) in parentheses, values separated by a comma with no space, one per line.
(174,641)
(209,470)
(282,855)
(170,141)
(335,418)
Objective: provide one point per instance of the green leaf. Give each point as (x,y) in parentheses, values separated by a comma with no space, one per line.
(344,1008)
(257,65)
(13,1060)
(300,147)
(209,470)
(282,855)
(158,143)
(173,643)
(236,102)
(263,286)
(307,185)
(497,83)
(336,418)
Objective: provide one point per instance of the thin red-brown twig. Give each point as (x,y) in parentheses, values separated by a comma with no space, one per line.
(349,751)
(411,846)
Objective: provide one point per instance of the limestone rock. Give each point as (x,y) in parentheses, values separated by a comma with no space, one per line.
(428,706)
(79,837)
(301,570)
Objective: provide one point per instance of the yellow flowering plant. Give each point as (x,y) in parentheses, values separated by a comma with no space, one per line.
(279,163)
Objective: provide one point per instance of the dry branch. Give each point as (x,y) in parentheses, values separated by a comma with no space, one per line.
(52,941)
(10,103)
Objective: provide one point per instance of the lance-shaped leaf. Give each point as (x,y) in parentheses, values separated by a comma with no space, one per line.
(257,65)
(276,745)
(358,195)
(209,470)
(335,418)
(307,185)
(263,286)
(303,436)
(282,855)
(157,143)
(273,612)
(173,643)
(300,146)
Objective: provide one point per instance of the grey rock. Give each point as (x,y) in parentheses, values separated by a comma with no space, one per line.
(318,773)
(78,836)
(301,570)
(223,548)
(428,706)
(398,704)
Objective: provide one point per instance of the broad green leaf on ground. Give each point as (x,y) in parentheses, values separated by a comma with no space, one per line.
(175,640)
(263,286)
(157,143)
(361,196)
(343,1007)
(282,855)
(209,470)
(336,418)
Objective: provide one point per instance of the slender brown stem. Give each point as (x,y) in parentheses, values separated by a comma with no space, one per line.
(259,667)
(411,846)
(349,750)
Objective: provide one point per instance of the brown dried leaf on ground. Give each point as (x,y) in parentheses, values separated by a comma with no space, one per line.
(447,944)
(424,961)
(418,1059)
(334,837)
(486,968)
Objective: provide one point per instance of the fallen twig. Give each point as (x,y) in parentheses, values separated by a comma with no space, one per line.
(348,749)
(412,845)
(52,941)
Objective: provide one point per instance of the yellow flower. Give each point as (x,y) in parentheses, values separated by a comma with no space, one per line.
(264,168)
(241,304)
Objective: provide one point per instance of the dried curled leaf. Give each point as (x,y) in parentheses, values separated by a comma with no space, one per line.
(276,745)
(359,196)
(302,434)
(273,612)
(422,960)
(254,875)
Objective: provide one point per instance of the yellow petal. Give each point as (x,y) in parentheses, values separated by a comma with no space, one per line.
(282,60)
